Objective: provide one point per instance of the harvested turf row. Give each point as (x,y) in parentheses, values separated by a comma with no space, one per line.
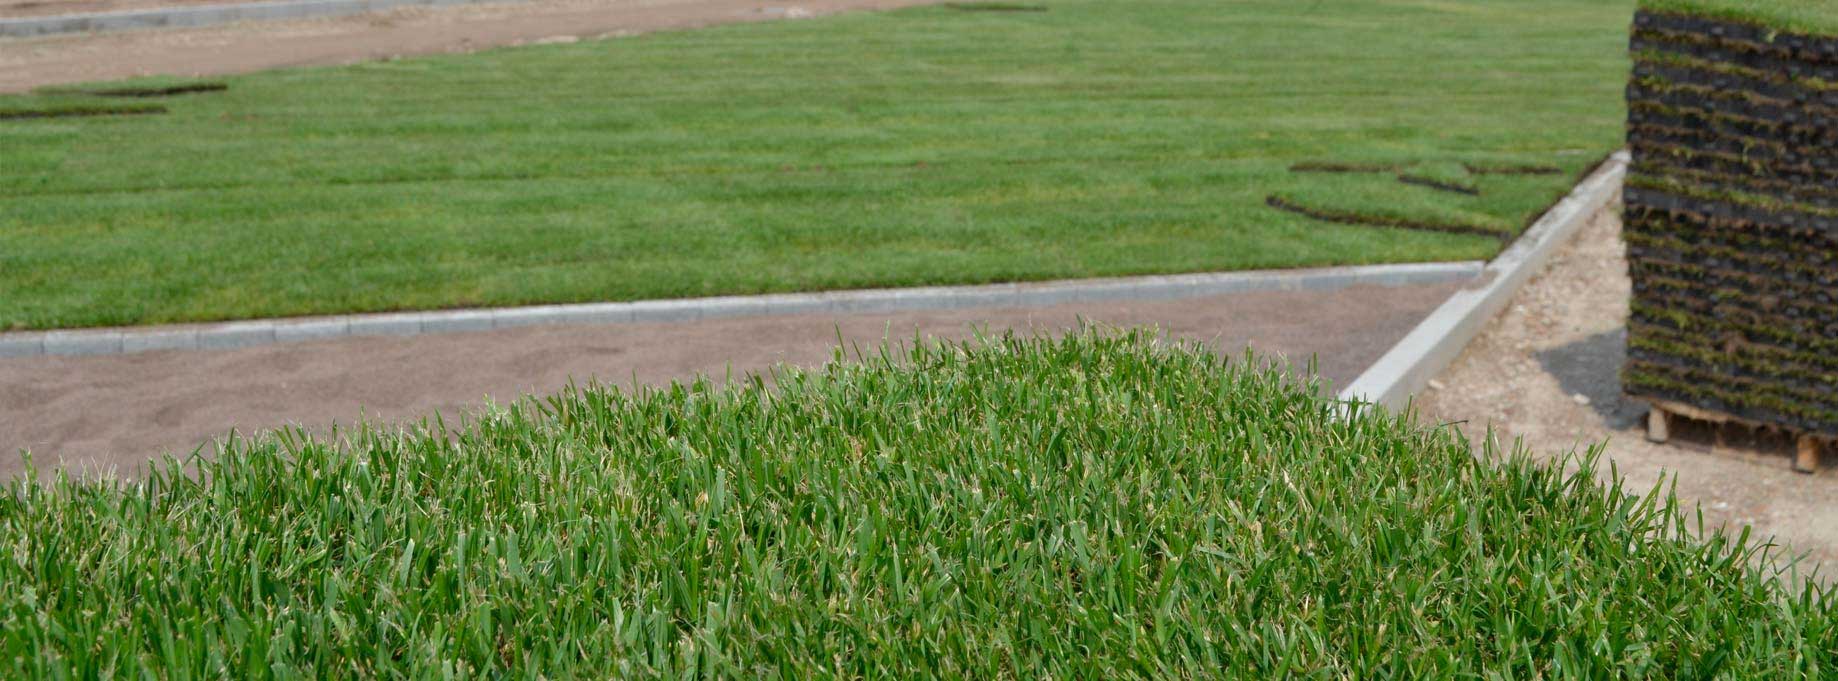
(1740,103)
(1814,48)
(1774,410)
(1702,72)
(1732,101)
(1668,246)
(1369,220)
(1779,307)
(1725,305)
(1726,323)
(1760,150)
(1661,116)
(1800,220)
(1737,55)
(1694,74)
(1778,241)
(1734,168)
(1760,358)
(1749,399)
(1816,395)
(1739,52)
(1641,195)
(1806,294)
(1755,360)
(1793,189)
(1653,152)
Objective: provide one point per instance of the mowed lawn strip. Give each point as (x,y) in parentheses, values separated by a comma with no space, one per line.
(1098,506)
(922,146)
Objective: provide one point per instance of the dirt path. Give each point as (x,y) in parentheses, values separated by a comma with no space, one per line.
(238,48)
(115,411)
(1548,371)
(44,8)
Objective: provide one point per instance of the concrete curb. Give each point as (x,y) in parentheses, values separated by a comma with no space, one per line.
(265,332)
(173,17)
(1440,338)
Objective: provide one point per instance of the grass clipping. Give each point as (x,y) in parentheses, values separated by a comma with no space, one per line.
(1096,506)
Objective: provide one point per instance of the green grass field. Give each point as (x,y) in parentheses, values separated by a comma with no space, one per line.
(923,146)
(1097,506)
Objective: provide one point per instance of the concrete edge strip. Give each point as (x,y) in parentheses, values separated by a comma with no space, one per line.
(265,332)
(1436,342)
(205,15)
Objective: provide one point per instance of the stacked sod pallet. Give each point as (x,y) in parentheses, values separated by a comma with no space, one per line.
(1732,218)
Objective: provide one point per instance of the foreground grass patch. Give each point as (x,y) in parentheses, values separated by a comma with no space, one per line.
(1096,506)
(929,145)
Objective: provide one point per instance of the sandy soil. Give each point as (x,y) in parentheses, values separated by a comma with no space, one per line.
(238,48)
(45,8)
(102,413)
(1548,371)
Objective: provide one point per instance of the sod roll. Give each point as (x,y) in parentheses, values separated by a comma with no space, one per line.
(1732,215)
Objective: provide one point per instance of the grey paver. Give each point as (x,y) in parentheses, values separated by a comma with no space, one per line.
(460,320)
(83,342)
(236,335)
(178,339)
(401,324)
(28,344)
(296,331)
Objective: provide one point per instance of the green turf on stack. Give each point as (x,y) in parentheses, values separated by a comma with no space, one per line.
(1732,209)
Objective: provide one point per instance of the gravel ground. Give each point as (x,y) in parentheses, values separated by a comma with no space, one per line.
(114,412)
(1547,371)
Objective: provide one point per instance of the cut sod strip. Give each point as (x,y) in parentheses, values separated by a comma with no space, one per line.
(1098,506)
(922,146)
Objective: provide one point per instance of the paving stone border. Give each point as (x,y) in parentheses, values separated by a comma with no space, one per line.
(263,332)
(1435,344)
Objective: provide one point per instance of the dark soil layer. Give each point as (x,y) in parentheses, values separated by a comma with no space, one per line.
(1732,240)
(1438,185)
(161,91)
(1345,217)
(1512,169)
(80,110)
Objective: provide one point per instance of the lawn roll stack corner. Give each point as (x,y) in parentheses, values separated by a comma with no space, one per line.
(1732,222)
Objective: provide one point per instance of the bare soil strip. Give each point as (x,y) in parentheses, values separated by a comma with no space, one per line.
(240,48)
(1548,371)
(114,412)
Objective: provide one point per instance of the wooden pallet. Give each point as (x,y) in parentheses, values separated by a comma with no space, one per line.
(1663,412)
